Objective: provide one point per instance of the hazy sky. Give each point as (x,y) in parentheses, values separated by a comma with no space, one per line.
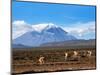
(76,19)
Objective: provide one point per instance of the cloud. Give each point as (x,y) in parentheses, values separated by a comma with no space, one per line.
(81,29)
(41,26)
(20,27)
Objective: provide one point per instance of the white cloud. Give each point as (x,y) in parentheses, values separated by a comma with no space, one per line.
(18,22)
(40,27)
(81,29)
(19,28)
(21,25)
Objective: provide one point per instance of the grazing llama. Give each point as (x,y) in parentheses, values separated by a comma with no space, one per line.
(76,55)
(89,53)
(66,56)
(41,60)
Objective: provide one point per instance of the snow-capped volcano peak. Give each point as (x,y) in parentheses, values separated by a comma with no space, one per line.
(43,33)
(44,26)
(51,25)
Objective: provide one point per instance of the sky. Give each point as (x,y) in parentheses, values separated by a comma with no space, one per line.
(78,20)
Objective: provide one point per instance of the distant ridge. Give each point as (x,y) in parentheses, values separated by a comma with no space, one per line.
(70,43)
(20,46)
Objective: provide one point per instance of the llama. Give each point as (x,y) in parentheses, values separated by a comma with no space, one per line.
(89,53)
(41,60)
(66,56)
(75,55)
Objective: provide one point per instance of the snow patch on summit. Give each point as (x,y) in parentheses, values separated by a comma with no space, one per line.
(43,26)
